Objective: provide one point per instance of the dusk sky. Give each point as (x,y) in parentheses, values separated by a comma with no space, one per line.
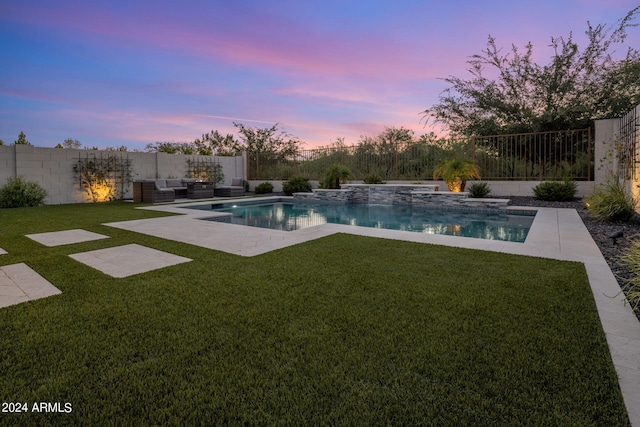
(132,72)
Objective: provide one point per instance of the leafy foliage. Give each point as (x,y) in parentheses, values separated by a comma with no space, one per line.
(334,176)
(17,193)
(631,259)
(72,143)
(568,93)
(104,177)
(271,140)
(213,143)
(555,191)
(206,169)
(297,184)
(479,190)
(172,148)
(264,188)
(611,202)
(22,140)
(270,145)
(456,172)
(373,178)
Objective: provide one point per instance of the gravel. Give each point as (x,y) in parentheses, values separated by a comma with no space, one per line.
(600,232)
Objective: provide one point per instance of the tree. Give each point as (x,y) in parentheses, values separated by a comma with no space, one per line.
(122,148)
(1,142)
(171,148)
(22,140)
(70,143)
(379,150)
(269,141)
(575,88)
(214,143)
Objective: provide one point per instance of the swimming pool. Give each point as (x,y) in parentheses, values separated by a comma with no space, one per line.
(512,226)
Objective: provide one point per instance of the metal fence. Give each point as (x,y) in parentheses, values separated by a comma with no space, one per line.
(531,156)
(628,144)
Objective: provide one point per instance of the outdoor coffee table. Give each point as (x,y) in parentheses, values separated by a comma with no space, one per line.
(199,190)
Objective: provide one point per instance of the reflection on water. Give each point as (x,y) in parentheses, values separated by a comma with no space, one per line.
(467,223)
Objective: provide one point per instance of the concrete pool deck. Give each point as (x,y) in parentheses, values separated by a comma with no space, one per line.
(555,233)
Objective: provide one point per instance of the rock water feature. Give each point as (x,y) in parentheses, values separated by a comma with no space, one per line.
(400,194)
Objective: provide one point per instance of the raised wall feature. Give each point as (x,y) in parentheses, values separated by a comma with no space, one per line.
(395,194)
(324,195)
(392,194)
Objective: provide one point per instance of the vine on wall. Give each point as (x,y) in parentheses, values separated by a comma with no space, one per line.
(104,176)
(208,170)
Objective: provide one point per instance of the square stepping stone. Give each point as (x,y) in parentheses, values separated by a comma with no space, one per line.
(2,251)
(19,283)
(66,237)
(124,261)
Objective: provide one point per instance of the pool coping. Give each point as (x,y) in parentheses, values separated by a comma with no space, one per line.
(555,233)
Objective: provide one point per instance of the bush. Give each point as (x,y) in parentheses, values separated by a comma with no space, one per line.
(478,190)
(373,178)
(265,187)
(631,259)
(610,202)
(556,191)
(17,193)
(296,184)
(335,175)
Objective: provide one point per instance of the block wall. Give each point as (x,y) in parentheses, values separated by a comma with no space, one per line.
(52,168)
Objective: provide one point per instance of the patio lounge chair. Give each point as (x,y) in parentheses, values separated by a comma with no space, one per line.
(236,189)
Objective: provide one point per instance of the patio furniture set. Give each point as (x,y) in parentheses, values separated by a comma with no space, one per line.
(168,190)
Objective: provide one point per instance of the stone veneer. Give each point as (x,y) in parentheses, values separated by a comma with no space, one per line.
(399,194)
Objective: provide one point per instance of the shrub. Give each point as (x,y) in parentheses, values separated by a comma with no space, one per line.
(297,184)
(17,193)
(457,172)
(556,191)
(631,259)
(373,178)
(610,202)
(478,190)
(265,187)
(335,175)
(283,172)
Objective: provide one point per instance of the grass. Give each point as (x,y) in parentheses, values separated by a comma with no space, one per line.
(344,330)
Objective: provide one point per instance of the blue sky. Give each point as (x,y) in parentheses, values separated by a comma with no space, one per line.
(135,72)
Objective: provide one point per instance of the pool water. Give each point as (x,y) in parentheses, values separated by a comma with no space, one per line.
(482,224)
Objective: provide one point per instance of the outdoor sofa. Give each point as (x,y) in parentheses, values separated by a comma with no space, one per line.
(161,190)
(236,189)
(168,190)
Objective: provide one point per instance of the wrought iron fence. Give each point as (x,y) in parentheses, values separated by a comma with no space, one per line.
(628,144)
(531,156)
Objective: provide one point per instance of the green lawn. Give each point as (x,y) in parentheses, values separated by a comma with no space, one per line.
(344,330)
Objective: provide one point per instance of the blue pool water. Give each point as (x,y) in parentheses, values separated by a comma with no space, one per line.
(482,224)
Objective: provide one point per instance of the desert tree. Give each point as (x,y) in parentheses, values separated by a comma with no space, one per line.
(510,93)
(215,143)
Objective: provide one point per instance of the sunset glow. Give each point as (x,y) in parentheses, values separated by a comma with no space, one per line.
(136,72)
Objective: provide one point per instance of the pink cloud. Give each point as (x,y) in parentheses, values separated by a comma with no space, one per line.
(254,39)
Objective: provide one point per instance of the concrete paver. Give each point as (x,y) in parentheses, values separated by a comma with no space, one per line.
(19,283)
(127,260)
(65,237)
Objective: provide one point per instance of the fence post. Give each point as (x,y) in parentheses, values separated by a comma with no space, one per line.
(589,148)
